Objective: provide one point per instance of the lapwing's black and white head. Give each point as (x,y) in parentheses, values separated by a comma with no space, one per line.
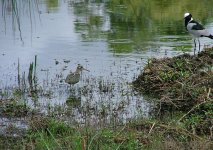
(195,29)
(187,17)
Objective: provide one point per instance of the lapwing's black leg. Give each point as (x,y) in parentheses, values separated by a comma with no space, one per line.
(199,45)
(195,46)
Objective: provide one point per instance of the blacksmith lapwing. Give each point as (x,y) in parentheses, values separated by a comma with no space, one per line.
(195,29)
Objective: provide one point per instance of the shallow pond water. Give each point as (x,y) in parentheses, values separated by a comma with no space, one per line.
(113,39)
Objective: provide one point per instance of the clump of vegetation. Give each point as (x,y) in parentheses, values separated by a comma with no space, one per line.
(183,83)
(10,142)
(12,107)
(46,133)
(14,110)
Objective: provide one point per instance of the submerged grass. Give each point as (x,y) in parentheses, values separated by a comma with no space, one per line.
(12,107)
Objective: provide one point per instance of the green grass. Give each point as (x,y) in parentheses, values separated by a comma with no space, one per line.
(164,133)
(58,135)
(152,134)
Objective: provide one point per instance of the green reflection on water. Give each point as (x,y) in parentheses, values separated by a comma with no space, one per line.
(52,5)
(139,21)
(124,24)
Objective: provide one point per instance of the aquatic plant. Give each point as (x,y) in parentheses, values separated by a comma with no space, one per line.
(32,79)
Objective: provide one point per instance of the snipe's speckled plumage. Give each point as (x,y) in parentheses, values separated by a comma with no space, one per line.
(74,77)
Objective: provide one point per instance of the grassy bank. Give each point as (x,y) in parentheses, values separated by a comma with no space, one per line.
(46,133)
(183,86)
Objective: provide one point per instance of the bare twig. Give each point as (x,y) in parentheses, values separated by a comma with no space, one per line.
(208,93)
(151,128)
(179,130)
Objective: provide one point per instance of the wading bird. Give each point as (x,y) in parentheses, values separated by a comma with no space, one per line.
(74,77)
(195,29)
